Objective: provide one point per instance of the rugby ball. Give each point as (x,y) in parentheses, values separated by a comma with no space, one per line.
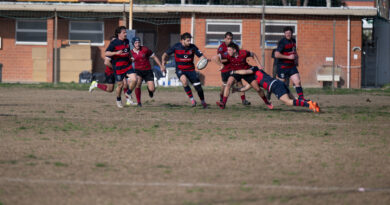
(202,63)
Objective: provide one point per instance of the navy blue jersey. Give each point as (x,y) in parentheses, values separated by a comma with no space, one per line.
(121,63)
(286,47)
(184,56)
(262,78)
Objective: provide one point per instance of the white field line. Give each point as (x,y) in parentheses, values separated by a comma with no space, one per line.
(189,185)
(214,121)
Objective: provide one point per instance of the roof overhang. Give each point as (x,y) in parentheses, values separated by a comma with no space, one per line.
(177,8)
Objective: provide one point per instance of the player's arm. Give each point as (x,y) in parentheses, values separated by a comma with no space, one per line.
(246,87)
(254,56)
(243,72)
(158,63)
(218,60)
(107,62)
(278,53)
(281,56)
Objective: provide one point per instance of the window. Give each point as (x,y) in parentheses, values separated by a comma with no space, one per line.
(31,32)
(274,31)
(216,29)
(85,32)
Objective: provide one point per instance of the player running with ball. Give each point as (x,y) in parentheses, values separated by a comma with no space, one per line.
(184,53)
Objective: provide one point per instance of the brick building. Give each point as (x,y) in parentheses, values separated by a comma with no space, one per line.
(28,35)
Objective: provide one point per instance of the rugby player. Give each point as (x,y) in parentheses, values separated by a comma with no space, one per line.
(185,52)
(275,86)
(225,72)
(143,69)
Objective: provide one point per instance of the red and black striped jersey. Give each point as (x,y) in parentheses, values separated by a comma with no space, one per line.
(141,58)
(262,78)
(286,47)
(121,63)
(184,56)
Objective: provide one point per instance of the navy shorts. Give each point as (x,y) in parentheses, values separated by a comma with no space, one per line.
(225,76)
(146,75)
(247,78)
(120,77)
(286,73)
(279,88)
(110,79)
(191,75)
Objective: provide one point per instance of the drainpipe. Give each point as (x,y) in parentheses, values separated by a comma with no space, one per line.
(349,53)
(193,27)
(55,72)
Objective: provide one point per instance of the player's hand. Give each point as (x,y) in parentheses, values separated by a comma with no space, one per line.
(163,69)
(119,52)
(221,68)
(291,57)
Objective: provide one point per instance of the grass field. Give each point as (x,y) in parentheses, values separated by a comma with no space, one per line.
(62,145)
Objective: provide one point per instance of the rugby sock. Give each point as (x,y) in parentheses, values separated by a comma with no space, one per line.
(128,91)
(265,100)
(300,102)
(118,99)
(187,89)
(102,86)
(243,97)
(138,94)
(220,97)
(199,90)
(299,92)
(224,100)
(125,90)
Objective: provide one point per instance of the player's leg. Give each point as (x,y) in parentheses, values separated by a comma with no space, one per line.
(127,92)
(222,90)
(261,93)
(107,87)
(194,79)
(187,88)
(296,80)
(281,91)
(138,90)
(244,101)
(119,81)
(283,75)
(149,78)
(226,92)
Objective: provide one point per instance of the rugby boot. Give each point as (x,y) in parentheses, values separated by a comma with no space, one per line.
(246,102)
(119,104)
(92,86)
(221,105)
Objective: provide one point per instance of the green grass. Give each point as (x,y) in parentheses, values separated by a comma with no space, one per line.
(99,164)
(60,164)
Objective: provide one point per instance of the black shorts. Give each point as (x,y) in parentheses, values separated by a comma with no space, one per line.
(146,75)
(110,79)
(225,76)
(279,88)
(247,78)
(191,75)
(120,77)
(286,73)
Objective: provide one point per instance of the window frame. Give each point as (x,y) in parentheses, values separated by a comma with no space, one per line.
(86,32)
(222,22)
(291,23)
(29,30)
